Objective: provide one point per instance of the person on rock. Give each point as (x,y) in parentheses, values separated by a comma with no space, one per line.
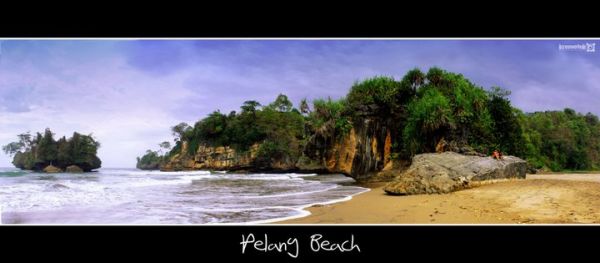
(497,154)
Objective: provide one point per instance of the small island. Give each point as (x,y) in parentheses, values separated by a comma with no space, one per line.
(42,153)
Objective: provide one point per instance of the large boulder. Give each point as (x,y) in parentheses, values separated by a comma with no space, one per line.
(52,169)
(73,169)
(449,171)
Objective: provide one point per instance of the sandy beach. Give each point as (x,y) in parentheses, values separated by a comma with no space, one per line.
(539,199)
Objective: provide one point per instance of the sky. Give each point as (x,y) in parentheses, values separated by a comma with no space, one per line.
(128,93)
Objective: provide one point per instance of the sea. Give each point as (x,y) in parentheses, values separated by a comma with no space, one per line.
(131,196)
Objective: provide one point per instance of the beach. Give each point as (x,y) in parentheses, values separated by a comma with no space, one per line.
(538,199)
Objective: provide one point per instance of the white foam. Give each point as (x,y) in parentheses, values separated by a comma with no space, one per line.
(303,212)
(196,177)
(266,176)
(291,194)
(29,197)
(151,172)
(124,191)
(236,210)
(301,175)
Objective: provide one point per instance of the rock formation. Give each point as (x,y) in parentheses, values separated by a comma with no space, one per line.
(152,166)
(73,169)
(211,158)
(449,171)
(361,153)
(52,169)
(365,150)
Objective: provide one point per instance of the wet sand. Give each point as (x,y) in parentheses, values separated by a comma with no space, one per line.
(539,199)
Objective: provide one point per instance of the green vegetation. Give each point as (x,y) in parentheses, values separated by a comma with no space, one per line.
(150,161)
(328,118)
(153,159)
(35,153)
(448,106)
(421,111)
(278,128)
(430,118)
(561,140)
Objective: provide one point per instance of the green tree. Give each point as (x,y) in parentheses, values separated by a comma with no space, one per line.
(165,145)
(250,106)
(43,150)
(413,80)
(508,134)
(430,119)
(282,103)
(12,148)
(83,149)
(559,140)
(374,96)
(63,157)
(180,130)
(149,161)
(23,144)
(435,76)
(304,108)
(46,149)
(328,118)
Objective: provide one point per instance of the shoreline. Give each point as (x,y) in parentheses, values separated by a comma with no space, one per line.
(304,209)
(538,199)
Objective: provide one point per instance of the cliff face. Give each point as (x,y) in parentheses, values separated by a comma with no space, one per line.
(361,153)
(365,150)
(211,158)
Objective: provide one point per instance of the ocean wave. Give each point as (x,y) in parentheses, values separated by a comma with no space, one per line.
(303,212)
(131,172)
(291,194)
(125,196)
(14,173)
(35,197)
(266,176)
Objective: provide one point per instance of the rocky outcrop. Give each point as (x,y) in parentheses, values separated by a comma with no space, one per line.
(391,170)
(449,171)
(52,169)
(149,166)
(73,169)
(211,158)
(361,153)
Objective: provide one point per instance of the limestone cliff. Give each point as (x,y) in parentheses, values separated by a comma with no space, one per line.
(361,153)
(365,150)
(211,158)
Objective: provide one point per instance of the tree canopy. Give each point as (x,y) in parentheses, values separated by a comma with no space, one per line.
(420,110)
(37,152)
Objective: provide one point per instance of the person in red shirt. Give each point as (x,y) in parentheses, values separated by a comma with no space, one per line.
(496,154)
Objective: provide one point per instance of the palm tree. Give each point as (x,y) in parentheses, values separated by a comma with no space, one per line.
(414,79)
(304,108)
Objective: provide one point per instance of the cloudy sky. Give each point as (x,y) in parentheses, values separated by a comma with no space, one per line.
(129,92)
